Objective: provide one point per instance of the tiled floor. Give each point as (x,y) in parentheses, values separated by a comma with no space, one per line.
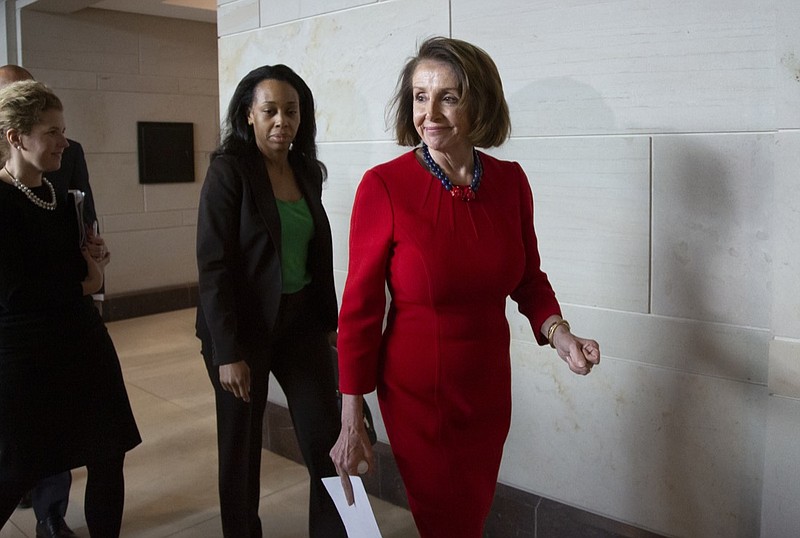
(171,477)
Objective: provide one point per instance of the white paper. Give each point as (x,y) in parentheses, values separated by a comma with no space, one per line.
(358,519)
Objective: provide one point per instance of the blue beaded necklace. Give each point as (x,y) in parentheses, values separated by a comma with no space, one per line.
(464,192)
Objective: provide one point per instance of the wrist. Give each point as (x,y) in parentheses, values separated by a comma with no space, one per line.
(554,327)
(88,287)
(352,410)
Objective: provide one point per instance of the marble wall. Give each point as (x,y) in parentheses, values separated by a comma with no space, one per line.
(661,140)
(112,69)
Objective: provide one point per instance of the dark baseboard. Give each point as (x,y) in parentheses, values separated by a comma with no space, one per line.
(143,303)
(514,512)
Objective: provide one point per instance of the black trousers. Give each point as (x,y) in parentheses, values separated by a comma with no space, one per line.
(50,496)
(300,360)
(104,498)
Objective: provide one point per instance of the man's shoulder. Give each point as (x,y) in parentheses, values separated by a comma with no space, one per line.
(73,150)
(65,177)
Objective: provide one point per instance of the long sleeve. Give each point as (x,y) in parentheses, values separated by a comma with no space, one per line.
(217,257)
(534,295)
(364,298)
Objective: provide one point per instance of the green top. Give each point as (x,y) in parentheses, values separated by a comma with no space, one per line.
(297,229)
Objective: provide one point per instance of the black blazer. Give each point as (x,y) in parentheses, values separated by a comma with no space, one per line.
(238,258)
(74,174)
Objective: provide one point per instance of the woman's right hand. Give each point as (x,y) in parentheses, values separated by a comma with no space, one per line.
(235,378)
(353,447)
(94,272)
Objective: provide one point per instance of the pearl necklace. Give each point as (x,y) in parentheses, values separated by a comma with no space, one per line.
(464,192)
(31,195)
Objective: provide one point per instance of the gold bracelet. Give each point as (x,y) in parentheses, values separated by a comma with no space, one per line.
(552,330)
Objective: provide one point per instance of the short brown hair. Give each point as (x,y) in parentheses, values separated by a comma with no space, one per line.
(21,107)
(481,90)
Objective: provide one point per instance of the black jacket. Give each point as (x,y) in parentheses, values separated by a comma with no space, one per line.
(238,258)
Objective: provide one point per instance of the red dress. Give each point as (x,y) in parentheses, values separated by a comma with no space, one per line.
(441,365)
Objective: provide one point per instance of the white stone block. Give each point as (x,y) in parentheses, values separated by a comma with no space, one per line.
(786,225)
(178,48)
(131,222)
(682,454)
(712,232)
(788,64)
(780,517)
(136,83)
(237,16)
(58,79)
(577,67)
(784,368)
(114,178)
(350,60)
(346,164)
(276,12)
(592,216)
(148,259)
(189,217)
(197,86)
(170,196)
(713,349)
(91,40)
(339,278)
(115,114)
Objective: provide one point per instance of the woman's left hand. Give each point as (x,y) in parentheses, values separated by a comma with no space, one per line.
(580,354)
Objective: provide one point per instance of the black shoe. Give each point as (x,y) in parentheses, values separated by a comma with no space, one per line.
(25,501)
(54,527)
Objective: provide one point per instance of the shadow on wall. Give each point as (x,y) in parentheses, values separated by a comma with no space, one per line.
(559,106)
(699,472)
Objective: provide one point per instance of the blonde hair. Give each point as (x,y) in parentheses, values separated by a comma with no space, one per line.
(481,90)
(21,107)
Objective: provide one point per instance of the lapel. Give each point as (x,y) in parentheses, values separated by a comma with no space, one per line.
(312,200)
(265,199)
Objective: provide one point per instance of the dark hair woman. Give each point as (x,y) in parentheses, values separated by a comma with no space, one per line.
(267,298)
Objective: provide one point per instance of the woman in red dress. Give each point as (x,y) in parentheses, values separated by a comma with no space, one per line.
(450,231)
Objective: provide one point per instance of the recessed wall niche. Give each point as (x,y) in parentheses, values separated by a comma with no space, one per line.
(166,152)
